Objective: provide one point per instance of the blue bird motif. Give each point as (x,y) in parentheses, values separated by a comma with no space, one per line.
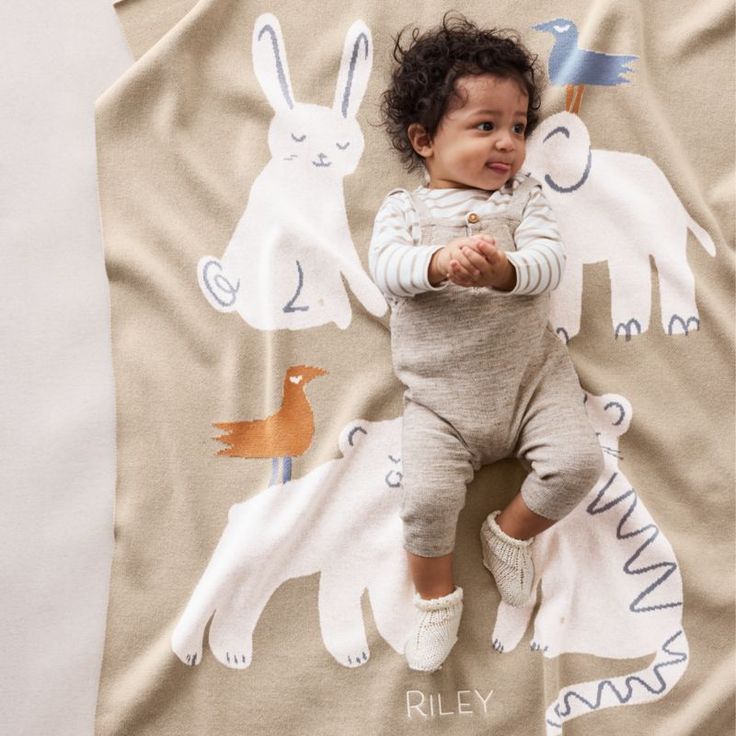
(573,67)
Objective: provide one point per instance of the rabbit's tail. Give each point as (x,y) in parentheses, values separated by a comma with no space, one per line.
(218,289)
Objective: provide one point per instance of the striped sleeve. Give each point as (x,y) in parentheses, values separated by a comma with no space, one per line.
(539,258)
(397,265)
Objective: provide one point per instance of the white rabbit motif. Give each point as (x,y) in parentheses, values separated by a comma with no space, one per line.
(285,263)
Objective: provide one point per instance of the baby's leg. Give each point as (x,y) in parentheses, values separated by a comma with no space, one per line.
(436,470)
(432,576)
(519,521)
(436,467)
(560,446)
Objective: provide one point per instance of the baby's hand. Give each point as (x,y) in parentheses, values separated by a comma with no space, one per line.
(489,266)
(453,255)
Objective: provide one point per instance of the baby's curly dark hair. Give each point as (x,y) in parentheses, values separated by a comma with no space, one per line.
(423,82)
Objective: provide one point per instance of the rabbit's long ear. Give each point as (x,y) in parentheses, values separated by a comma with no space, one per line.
(269,62)
(355,70)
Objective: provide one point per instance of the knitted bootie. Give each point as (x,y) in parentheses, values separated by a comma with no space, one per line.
(435,630)
(509,561)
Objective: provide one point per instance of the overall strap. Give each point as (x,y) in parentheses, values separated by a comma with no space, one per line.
(420,211)
(521,196)
(419,207)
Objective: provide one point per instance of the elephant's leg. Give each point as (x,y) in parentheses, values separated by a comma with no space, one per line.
(631,297)
(566,302)
(677,295)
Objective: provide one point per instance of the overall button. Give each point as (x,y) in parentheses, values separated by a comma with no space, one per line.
(472,217)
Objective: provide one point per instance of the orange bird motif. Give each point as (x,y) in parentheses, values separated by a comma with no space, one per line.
(282,436)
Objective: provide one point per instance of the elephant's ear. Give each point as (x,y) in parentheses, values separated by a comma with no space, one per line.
(559,154)
(352,435)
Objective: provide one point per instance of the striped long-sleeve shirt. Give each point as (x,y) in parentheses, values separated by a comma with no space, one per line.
(400,267)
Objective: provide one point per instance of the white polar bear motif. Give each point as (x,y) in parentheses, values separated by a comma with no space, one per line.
(617,208)
(287,258)
(340,520)
(610,586)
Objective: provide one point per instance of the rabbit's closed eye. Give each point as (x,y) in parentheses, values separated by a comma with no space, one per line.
(298,140)
(342,148)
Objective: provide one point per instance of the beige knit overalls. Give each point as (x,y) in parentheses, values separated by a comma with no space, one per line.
(486,378)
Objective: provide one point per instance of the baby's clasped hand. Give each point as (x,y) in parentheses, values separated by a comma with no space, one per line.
(454,258)
(475,261)
(490,266)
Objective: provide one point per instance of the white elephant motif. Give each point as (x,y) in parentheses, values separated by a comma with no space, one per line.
(617,208)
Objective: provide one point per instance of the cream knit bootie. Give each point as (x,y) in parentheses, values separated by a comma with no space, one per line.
(509,561)
(434,632)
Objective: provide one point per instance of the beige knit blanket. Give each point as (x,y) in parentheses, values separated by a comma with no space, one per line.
(259,585)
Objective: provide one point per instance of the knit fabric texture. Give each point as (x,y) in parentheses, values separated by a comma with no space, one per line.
(434,632)
(509,560)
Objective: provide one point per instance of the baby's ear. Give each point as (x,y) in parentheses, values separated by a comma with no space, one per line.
(419,139)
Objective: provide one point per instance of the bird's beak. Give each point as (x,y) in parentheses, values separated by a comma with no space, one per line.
(315,372)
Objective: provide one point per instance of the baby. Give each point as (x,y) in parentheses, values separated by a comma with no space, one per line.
(467,262)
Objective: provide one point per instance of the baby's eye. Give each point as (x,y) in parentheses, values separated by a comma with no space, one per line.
(298,140)
(519,128)
(488,123)
(342,148)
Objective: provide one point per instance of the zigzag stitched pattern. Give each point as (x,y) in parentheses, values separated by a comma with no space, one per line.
(622,697)
(669,567)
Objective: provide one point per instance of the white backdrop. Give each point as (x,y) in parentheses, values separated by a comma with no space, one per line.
(56,390)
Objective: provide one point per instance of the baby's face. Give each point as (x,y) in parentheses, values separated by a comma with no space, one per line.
(480,145)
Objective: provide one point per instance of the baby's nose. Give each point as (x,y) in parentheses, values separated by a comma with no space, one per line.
(504,141)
